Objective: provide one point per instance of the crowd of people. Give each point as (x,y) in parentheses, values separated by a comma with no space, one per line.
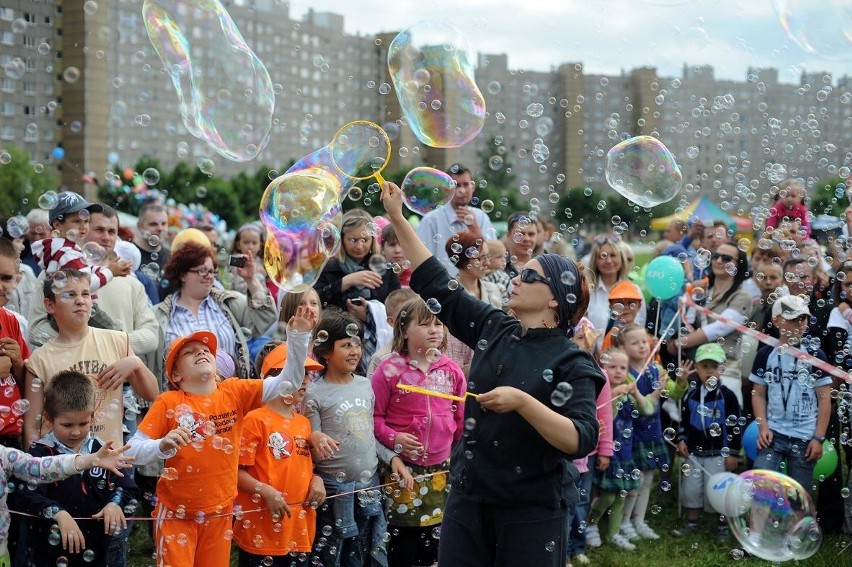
(436,389)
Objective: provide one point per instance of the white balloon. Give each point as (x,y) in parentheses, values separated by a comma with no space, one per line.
(717,490)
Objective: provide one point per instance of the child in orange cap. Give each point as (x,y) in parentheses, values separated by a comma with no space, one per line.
(276,465)
(197,488)
(625,301)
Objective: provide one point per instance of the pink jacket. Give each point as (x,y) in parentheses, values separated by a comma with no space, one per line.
(436,422)
(779,211)
(604,447)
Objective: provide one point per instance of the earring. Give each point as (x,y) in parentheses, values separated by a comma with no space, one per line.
(556,316)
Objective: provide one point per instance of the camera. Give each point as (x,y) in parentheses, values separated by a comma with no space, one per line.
(237,261)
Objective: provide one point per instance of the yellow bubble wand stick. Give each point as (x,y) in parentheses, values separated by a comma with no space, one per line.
(434,394)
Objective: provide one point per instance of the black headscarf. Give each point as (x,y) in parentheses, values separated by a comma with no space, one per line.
(563,277)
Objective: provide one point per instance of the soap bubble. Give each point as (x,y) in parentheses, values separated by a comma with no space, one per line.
(643,170)
(151,176)
(561,394)
(425,189)
(378,264)
(300,200)
(236,122)
(294,257)
(94,253)
(433,305)
(71,75)
(15,68)
(822,28)
(360,149)
(17,226)
(431,64)
(770,514)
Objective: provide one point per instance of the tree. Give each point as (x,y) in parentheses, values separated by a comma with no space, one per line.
(829,197)
(20,184)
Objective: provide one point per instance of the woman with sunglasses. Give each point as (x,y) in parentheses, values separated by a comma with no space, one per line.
(512,476)
(609,266)
(725,296)
(195,304)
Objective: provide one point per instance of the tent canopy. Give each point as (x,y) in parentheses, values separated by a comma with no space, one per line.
(707,211)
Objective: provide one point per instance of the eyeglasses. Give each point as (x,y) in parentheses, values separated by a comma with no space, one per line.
(724,257)
(202,272)
(607,238)
(528,275)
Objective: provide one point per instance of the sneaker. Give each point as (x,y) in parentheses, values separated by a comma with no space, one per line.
(622,542)
(581,559)
(645,531)
(593,536)
(687,530)
(628,531)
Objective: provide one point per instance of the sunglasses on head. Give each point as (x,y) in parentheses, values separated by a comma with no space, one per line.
(724,257)
(607,238)
(528,275)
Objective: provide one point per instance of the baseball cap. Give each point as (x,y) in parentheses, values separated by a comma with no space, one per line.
(710,351)
(69,203)
(625,290)
(790,307)
(277,357)
(205,337)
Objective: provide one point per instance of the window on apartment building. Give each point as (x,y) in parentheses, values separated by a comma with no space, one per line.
(7,38)
(29,41)
(29,88)
(7,85)
(8,108)
(7,133)
(7,14)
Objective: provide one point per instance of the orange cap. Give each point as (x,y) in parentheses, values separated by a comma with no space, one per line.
(277,357)
(206,337)
(625,290)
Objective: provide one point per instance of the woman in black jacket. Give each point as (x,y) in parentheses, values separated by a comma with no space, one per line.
(512,479)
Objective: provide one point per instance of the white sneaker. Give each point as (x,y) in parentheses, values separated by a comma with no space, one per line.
(581,559)
(622,542)
(593,536)
(645,531)
(628,531)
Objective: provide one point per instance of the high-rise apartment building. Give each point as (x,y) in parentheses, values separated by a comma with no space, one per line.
(83,75)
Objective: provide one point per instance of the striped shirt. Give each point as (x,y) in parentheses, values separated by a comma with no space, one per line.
(211,318)
(54,254)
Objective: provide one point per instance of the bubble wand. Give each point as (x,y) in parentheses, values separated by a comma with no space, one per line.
(434,394)
(361,145)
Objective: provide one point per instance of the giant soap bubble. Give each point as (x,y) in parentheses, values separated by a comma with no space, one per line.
(821,28)
(770,514)
(425,189)
(431,65)
(643,170)
(300,199)
(225,94)
(294,257)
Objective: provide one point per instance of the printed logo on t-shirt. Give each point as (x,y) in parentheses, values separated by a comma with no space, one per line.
(194,422)
(280,444)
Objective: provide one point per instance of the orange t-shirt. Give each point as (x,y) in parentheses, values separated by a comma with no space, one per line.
(274,450)
(202,477)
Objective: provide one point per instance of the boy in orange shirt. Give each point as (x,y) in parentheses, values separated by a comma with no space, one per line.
(197,488)
(276,464)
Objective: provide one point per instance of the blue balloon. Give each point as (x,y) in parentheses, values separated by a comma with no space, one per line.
(58,153)
(664,277)
(750,440)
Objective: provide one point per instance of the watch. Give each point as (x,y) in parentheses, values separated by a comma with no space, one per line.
(818,438)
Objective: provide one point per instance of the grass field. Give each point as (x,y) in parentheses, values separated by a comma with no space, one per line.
(701,550)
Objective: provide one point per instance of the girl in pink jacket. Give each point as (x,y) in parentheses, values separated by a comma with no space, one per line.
(420,428)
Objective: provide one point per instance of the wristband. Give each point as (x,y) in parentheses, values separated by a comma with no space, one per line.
(818,438)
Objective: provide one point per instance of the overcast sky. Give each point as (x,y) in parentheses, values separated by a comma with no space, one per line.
(610,35)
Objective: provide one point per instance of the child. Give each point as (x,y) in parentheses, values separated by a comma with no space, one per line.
(196,489)
(625,300)
(27,468)
(393,252)
(69,221)
(275,464)
(769,277)
(618,478)
(708,437)
(340,405)
(396,299)
(649,449)
(69,403)
(790,206)
(420,429)
(249,241)
(497,267)
(792,413)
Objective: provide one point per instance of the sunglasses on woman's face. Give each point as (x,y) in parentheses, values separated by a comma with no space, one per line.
(724,257)
(528,275)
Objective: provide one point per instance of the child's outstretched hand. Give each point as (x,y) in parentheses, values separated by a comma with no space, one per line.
(106,458)
(175,439)
(120,268)
(324,447)
(303,321)
(113,518)
(72,537)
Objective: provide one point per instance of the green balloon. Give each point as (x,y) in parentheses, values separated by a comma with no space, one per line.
(827,464)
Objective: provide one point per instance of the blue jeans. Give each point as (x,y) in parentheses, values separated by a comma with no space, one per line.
(576,536)
(791,450)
